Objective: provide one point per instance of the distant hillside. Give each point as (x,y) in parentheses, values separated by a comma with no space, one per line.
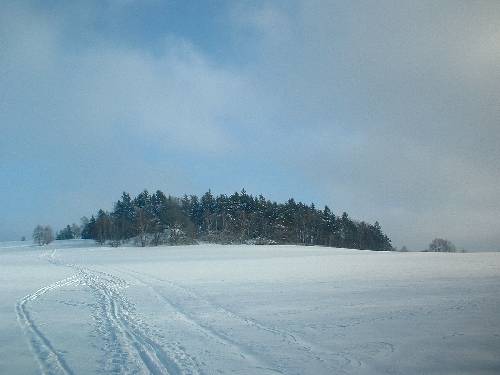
(154,219)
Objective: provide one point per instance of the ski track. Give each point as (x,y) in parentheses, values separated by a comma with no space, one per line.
(205,330)
(313,352)
(48,358)
(125,333)
(129,346)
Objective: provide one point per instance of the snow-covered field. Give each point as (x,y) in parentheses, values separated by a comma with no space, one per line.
(73,308)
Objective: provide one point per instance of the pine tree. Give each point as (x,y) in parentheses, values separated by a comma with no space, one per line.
(65,234)
(238,218)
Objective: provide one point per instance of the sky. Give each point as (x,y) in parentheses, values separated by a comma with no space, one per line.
(388,110)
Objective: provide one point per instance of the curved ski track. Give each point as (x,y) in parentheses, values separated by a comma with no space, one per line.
(129,346)
(127,335)
(326,360)
(49,360)
(207,331)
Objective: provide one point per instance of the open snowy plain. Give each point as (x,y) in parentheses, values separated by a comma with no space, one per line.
(73,308)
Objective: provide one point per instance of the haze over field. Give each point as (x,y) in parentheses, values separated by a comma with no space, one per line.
(387,110)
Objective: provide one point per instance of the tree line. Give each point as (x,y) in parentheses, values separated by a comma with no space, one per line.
(155,219)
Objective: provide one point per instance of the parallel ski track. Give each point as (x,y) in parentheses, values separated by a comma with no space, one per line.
(313,351)
(129,347)
(118,316)
(252,358)
(48,358)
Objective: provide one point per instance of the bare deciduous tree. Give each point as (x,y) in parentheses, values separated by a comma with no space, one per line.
(43,235)
(441,245)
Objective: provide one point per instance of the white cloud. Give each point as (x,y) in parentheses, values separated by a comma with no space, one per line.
(178,96)
(389,111)
(393,110)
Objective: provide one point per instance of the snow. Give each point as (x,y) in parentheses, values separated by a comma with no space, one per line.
(74,308)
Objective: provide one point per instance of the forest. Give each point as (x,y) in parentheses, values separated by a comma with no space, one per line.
(156,219)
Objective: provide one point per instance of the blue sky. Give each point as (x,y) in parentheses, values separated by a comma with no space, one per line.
(386,110)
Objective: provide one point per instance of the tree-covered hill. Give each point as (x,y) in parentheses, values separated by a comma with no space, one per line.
(154,219)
